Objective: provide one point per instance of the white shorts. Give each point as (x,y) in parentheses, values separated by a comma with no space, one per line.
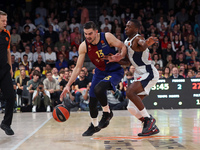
(148,80)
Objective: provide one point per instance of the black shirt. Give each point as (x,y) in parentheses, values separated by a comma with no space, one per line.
(41,65)
(63,82)
(24,81)
(4,45)
(81,84)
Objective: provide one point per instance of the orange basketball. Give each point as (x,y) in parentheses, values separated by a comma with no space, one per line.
(60,113)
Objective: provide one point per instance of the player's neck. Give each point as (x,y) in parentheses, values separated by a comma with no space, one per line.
(130,37)
(96,41)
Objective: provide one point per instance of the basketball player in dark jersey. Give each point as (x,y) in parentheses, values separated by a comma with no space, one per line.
(107,75)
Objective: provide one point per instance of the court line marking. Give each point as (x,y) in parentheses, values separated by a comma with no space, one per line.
(22,141)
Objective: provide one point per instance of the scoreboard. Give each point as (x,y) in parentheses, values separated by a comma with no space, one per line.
(174,94)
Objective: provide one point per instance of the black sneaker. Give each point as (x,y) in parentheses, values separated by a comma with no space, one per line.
(91,130)
(7,129)
(148,124)
(104,122)
(155,130)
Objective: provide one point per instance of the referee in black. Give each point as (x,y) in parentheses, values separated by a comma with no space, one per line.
(6,74)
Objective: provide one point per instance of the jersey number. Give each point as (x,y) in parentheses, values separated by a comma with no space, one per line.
(99,53)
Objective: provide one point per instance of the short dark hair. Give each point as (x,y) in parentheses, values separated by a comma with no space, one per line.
(136,23)
(40,83)
(25,55)
(36,73)
(89,25)
(49,72)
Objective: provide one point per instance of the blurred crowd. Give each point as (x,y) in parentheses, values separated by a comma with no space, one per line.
(45,42)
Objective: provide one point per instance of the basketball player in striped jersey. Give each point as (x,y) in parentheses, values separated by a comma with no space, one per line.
(106,77)
(145,75)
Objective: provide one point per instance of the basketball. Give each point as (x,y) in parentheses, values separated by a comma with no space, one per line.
(60,113)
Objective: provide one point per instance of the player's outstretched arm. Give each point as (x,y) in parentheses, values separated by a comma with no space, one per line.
(143,44)
(77,69)
(114,42)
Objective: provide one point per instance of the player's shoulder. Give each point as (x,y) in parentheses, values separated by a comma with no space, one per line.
(82,47)
(7,31)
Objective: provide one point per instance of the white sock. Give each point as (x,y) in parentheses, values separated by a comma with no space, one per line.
(144,113)
(134,110)
(95,121)
(106,109)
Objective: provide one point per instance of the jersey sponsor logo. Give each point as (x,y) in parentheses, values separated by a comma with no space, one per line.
(139,78)
(149,57)
(89,47)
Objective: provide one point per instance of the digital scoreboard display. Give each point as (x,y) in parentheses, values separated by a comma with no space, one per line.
(174,94)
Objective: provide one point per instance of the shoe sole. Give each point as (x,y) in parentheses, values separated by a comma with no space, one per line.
(84,134)
(151,132)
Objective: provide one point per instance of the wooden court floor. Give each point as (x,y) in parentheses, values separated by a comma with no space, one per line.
(179,129)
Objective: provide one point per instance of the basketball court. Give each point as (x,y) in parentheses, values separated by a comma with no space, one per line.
(179,129)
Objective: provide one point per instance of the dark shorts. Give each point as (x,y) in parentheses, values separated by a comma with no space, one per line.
(113,77)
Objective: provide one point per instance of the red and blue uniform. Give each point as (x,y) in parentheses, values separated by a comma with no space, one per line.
(111,72)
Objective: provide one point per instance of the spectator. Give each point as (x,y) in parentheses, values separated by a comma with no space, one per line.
(166,52)
(189,40)
(48,43)
(31,25)
(74,52)
(181,51)
(39,63)
(182,70)
(198,74)
(180,59)
(28,53)
(64,80)
(60,43)
(55,25)
(72,63)
(164,32)
(66,36)
(37,53)
(176,43)
(64,52)
(88,75)
(165,42)
(18,28)
(174,32)
(84,98)
(55,73)
(114,102)
(21,81)
(41,10)
(182,16)
(80,85)
(84,14)
(160,74)
(73,24)
(33,84)
(156,60)
(52,34)
(15,38)
(47,68)
(26,63)
(114,17)
(39,20)
(52,85)
(166,73)
(160,23)
(126,16)
(74,34)
(15,53)
(172,22)
(191,53)
(61,63)
(115,25)
(61,76)
(37,43)
(103,16)
(50,56)
(175,74)
(42,76)
(106,24)
(17,72)
(41,97)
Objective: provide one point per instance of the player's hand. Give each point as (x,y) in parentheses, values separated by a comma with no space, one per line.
(65,91)
(113,58)
(151,40)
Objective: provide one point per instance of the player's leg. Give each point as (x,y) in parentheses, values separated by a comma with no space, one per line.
(8,92)
(132,93)
(109,82)
(93,128)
